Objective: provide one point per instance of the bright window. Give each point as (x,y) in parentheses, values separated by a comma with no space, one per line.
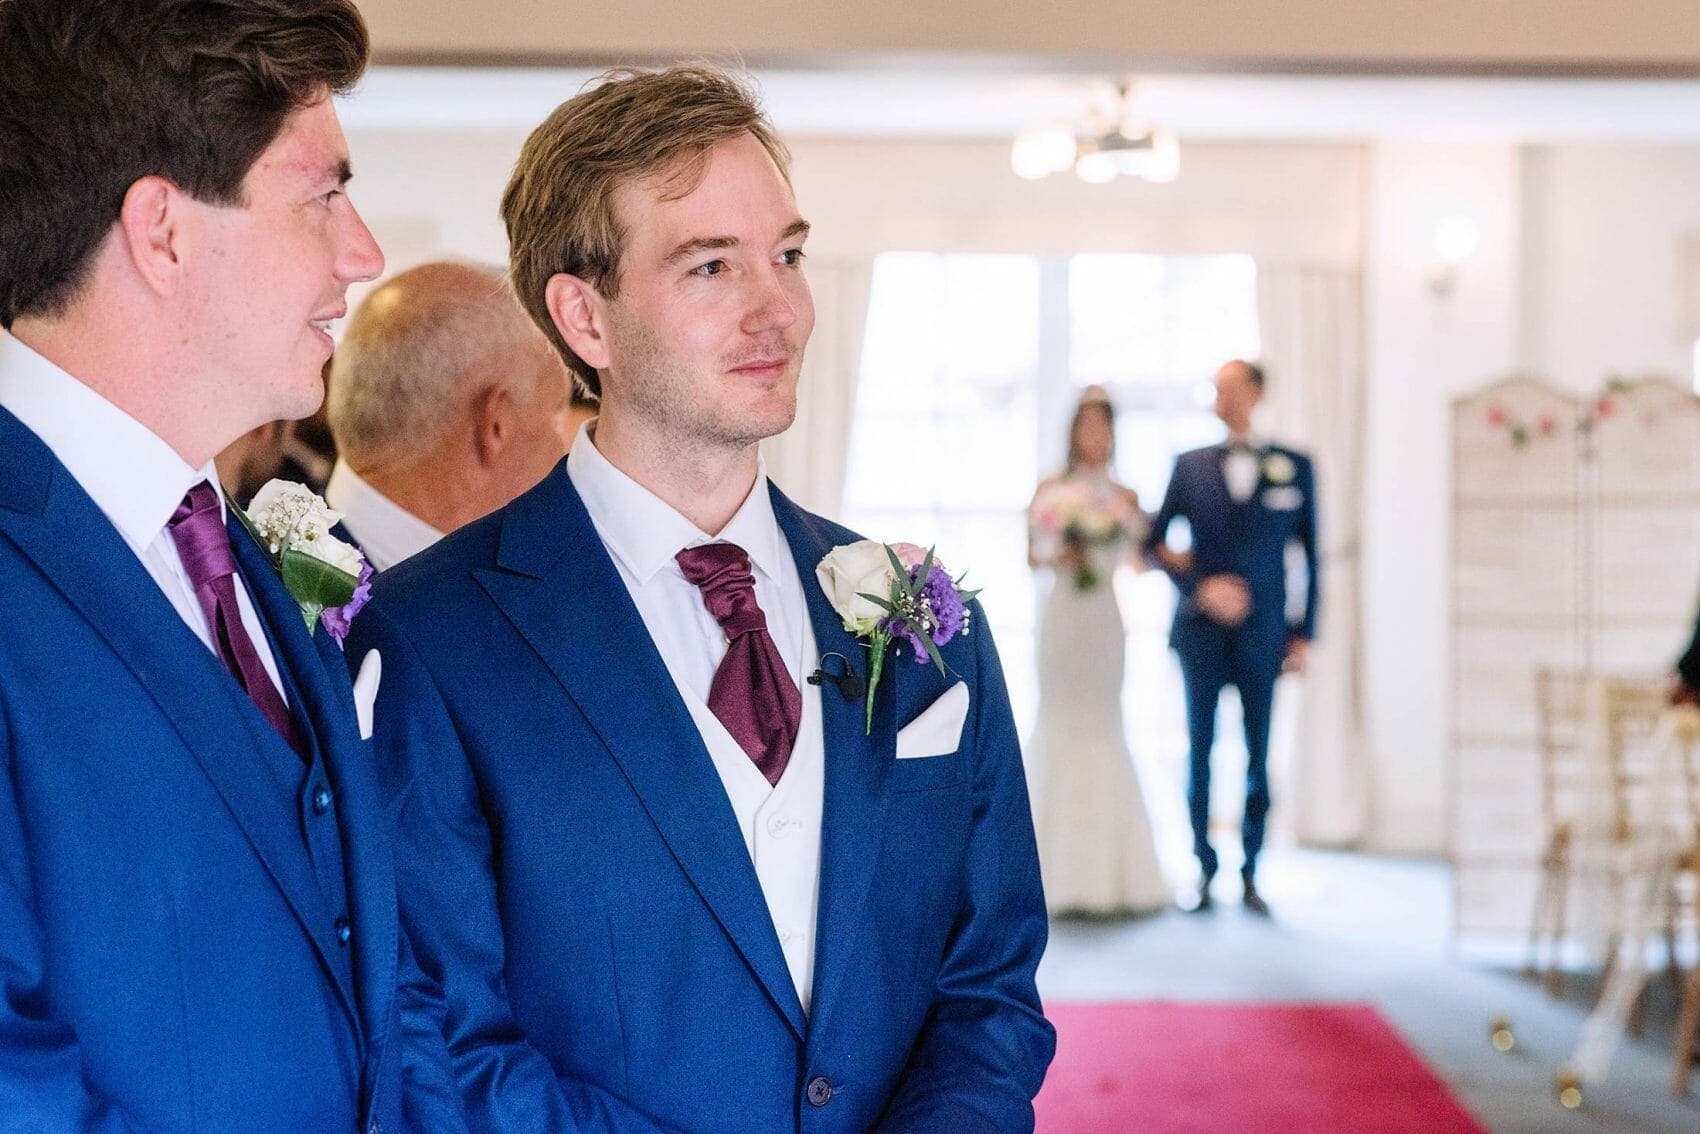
(970,369)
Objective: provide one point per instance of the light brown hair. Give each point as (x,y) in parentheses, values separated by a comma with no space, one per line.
(558,206)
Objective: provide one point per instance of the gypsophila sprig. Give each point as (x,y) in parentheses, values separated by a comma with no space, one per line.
(328,579)
(898,594)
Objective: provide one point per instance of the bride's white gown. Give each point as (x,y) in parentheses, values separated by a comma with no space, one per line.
(1096,849)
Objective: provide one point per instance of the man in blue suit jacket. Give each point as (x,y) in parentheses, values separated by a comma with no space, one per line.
(198,926)
(1246,501)
(643,915)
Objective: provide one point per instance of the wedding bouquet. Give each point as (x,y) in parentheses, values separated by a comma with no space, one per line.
(1082,516)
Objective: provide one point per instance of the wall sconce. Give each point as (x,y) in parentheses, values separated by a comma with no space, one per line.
(1455,240)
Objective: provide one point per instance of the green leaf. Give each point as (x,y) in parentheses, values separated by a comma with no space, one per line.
(901,583)
(313,582)
(933,652)
(876,663)
(883,604)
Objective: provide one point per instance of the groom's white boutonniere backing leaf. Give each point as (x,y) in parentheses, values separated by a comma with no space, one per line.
(328,579)
(1278,468)
(894,593)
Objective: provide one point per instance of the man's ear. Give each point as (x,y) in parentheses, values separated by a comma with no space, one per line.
(580,314)
(154,232)
(492,423)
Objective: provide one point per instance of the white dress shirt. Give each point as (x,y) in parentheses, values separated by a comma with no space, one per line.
(133,477)
(385,531)
(1242,467)
(781,824)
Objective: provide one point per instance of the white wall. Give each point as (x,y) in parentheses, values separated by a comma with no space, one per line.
(1422,350)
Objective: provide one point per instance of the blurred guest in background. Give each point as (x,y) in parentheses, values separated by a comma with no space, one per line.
(444,402)
(1095,844)
(1246,500)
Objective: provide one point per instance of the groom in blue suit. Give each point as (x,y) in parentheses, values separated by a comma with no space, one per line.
(198,924)
(668,876)
(1247,501)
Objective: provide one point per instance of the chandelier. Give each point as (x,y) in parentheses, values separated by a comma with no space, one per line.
(1110,140)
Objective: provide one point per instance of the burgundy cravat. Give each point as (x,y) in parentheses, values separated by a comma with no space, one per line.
(752,694)
(203,543)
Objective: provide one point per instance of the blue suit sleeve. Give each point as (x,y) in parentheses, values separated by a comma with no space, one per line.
(430,1100)
(1307,536)
(450,911)
(1172,509)
(982,1054)
(41,1073)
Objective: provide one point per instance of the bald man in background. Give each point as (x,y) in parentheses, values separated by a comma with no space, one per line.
(444,398)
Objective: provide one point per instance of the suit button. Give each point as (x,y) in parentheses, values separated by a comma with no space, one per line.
(321,799)
(344,931)
(819,1091)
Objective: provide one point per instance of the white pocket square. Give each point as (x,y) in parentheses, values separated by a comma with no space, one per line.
(938,730)
(1283,499)
(366,690)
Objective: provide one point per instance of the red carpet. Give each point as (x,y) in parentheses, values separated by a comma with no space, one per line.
(1162,1068)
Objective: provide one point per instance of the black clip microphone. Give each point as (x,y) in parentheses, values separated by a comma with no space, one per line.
(849,683)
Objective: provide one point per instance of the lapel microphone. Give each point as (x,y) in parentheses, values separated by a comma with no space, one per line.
(849,683)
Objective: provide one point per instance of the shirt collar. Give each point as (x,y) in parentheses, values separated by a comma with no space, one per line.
(131,474)
(386,532)
(644,532)
(1253,441)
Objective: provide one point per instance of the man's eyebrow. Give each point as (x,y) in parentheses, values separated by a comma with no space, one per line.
(341,170)
(691,247)
(686,249)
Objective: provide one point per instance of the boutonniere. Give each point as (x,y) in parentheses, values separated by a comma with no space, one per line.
(894,594)
(328,579)
(1278,468)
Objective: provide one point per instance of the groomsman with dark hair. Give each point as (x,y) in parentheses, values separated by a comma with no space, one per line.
(198,925)
(1246,500)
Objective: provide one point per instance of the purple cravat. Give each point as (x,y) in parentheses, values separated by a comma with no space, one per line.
(203,543)
(752,694)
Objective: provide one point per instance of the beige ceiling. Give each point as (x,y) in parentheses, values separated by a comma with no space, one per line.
(1629,37)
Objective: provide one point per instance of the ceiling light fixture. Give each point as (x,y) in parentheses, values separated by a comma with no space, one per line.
(1110,141)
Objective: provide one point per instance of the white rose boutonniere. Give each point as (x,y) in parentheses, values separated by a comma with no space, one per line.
(328,579)
(896,592)
(1278,468)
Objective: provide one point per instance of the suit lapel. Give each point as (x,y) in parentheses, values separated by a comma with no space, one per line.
(325,706)
(557,585)
(46,514)
(858,768)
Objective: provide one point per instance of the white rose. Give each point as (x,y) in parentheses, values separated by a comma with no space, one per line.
(344,557)
(850,571)
(1278,467)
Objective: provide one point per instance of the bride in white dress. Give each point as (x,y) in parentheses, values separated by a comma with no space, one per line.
(1096,850)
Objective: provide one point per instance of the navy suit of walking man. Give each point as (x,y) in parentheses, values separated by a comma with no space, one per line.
(198,923)
(1246,502)
(667,882)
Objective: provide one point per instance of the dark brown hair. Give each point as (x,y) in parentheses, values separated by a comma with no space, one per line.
(558,206)
(97,94)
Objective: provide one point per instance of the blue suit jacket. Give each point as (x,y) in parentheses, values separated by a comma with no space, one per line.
(168,959)
(1249,540)
(574,873)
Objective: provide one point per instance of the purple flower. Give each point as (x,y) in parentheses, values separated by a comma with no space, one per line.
(938,612)
(337,619)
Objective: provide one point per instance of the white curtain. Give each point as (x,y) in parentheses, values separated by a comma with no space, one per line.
(1312,331)
(808,460)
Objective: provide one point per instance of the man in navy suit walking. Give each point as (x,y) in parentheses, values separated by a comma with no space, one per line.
(198,925)
(668,881)
(1246,501)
